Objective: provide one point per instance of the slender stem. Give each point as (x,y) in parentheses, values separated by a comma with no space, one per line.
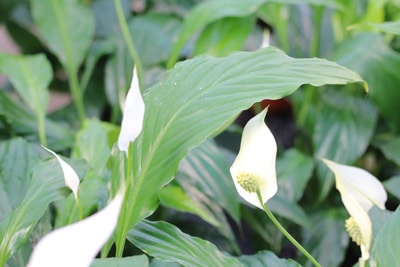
(128,40)
(286,233)
(77,94)
(316,38)
(42,130)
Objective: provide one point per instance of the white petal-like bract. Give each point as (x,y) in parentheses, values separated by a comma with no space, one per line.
(133,115)
(256,161)
(70,176)
(77,244)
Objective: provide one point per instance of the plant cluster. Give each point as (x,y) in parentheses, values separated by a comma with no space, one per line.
(200,133)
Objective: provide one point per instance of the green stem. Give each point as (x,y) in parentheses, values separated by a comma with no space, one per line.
(281,25)
(316,38)
(129,42)
(286,233)
(42,130)
(77,95)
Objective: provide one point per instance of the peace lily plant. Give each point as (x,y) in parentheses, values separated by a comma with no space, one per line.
(253,171)
(79,243)
(360,191)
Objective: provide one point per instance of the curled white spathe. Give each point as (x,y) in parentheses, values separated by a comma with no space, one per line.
(77,244)
(70,176)
(257,156)
(133,115)
(359,191)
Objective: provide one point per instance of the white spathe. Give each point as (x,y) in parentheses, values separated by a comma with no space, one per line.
(70,176)
(359,191)
(77,244)
(133,115)
(256,157)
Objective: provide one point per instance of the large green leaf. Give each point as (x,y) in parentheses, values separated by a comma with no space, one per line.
(19,120)
(369,55)
(166,242)
(140,260)
(200,96)
(344,127)
(31,76)
(386,246)
(14,182)
(206,168)
(392,185)
(266,259)
(211,11)
(47,180)
(391,149)
(328,231)
(67,27)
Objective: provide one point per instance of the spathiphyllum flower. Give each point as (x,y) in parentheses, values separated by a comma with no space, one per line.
(77,244)
(253,170)
(359,191)
(70,176)
(132,120)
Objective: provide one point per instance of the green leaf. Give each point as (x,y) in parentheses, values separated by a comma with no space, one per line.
(224,36)
(19,120)
(200,96)
(140,260)
(386,246)
(392,185)
(391,149)
(392,27)
(166,242)
(67,27)
(294,169)
(158,263)
(211,11)
(266,259)
(344,127)
(174,197)
(378,68)
(30,76)
(47,181)
(92,145)
(14,182)
(153,34)
(328,231)
(206,168)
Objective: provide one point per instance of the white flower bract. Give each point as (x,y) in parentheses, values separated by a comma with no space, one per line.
(359,191)
(70,176)
(256,162)
(77,244)
(133,115)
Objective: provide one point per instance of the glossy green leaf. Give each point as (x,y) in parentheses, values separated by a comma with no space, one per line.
(224,36)
(266,259)
(174,197)
(189,106)
(14,182)
(153,34)
(344,127)
(294,169)
(386,246)
(67,26)
(392,185)
(391,149)
(211,11)
(30,76)
(47,181)
(328,232)
(158,263)
(378,68)
(19,120)
(140,260)
(206,168)
(166,242)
